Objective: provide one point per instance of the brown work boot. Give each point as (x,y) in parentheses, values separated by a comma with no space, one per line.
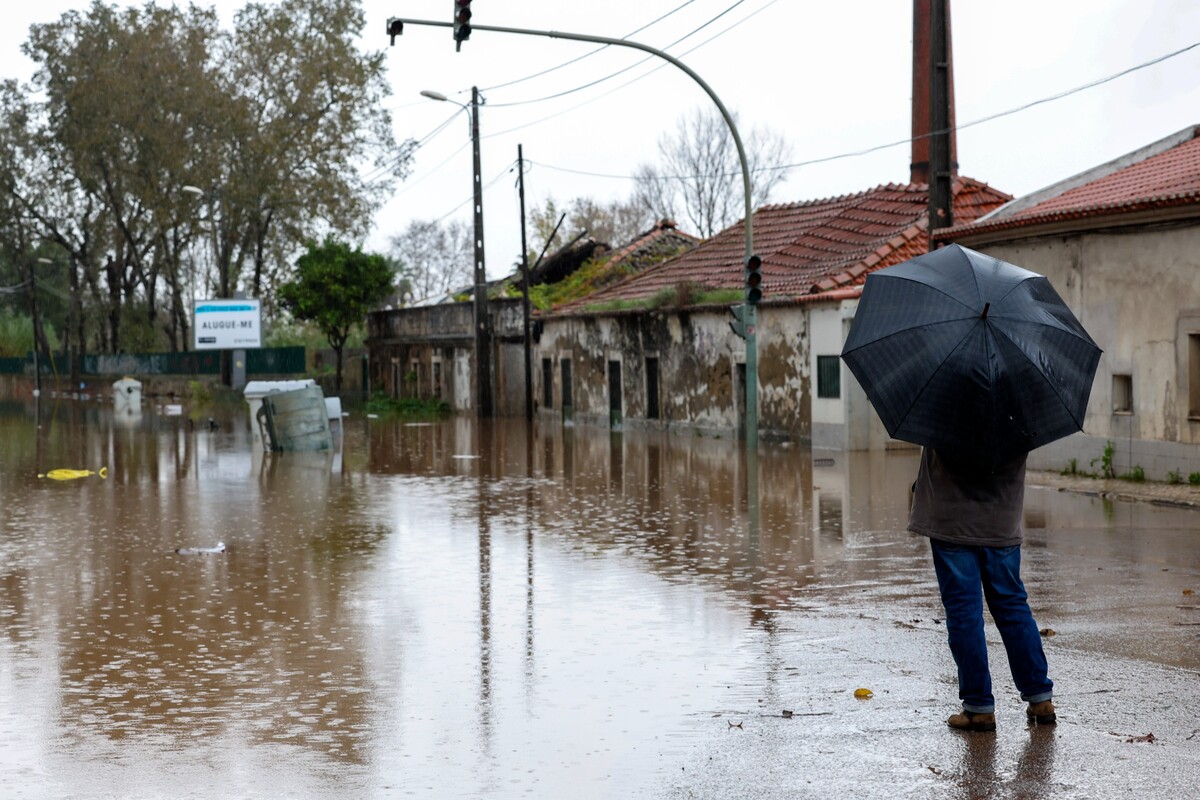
(1042,713)
(971,721)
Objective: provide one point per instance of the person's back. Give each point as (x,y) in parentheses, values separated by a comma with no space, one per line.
(972,517)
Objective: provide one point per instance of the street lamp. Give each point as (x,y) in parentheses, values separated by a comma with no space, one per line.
(482,338)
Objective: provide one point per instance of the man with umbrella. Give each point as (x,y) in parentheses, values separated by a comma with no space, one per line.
(978,361)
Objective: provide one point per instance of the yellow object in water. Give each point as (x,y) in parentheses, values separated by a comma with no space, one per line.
(72,474)
(863,694)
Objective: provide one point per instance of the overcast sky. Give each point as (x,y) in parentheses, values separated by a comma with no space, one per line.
(833,78)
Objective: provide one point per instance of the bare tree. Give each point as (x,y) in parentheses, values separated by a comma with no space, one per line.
(699,172)
(436,258)
(615,222)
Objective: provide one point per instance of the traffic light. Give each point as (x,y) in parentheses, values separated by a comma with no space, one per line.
(753,273)
(395,28)
(462,22)
(738,323)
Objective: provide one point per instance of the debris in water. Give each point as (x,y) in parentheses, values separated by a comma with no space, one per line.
(1048,632)
(863,694)
(787,714)
(201,551)
(72,474)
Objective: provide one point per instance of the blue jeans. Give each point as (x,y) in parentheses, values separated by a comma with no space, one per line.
(966,575)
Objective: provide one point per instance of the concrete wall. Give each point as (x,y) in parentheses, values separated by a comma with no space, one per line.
(1138,294)
(700,363)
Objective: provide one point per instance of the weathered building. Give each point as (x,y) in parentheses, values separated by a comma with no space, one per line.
(657,350)
(428,352)
(1121,244)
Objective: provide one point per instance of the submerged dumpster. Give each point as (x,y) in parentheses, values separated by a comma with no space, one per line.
(295,421)
(254,393)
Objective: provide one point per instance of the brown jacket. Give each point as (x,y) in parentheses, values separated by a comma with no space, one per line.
(968,505)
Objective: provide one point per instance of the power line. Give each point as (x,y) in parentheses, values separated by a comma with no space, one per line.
(588,54)
(486,186)
(633,80)
(898,142)
(383,170)
(432,170)
(637,63)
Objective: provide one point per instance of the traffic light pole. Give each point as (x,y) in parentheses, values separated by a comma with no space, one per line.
(395,27)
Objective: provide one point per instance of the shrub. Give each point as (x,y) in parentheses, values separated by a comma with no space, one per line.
(1137,474)
(383,404)
(1106,460)
(1194,478)
(1174,477)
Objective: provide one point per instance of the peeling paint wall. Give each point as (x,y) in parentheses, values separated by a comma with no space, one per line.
(698,369)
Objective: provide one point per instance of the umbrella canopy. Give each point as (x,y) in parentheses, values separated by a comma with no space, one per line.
(970,355)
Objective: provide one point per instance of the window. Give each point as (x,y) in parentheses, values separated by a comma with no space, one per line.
(1193,355)
(829,377)
(1122,394)
(651,388)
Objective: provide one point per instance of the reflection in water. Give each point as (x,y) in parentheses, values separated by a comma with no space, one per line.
(983,775)
(463,608)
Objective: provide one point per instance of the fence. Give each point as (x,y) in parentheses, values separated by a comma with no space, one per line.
(262,361)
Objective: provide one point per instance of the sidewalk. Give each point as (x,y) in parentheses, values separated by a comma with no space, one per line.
(1178,494)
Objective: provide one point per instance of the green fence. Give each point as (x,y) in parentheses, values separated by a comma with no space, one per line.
(264,361)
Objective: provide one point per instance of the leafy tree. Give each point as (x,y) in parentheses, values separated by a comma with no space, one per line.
(334,288)
(272,120)
(700,173)
(312,111)
(434,258)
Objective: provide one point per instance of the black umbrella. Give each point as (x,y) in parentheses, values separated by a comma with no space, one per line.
(970,355)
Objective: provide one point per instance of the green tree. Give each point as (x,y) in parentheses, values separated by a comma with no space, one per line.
(334,288)
(274,122)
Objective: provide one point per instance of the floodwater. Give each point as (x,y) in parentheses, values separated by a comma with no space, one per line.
(468,610)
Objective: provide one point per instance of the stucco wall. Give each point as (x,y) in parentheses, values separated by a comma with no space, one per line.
(698,360)
(1138,294)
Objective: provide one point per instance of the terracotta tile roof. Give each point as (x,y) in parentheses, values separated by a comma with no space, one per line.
(662,240)
(809,247)
(1163,175)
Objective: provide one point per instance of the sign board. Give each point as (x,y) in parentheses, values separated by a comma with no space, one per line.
(228,324)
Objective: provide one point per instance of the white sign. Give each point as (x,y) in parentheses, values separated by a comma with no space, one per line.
(228,324)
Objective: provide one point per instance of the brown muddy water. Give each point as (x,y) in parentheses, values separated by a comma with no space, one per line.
(465,610)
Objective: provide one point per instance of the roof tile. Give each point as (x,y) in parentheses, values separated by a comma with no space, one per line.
(818,244)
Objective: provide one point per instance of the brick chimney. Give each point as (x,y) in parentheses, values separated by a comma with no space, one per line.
(922,90)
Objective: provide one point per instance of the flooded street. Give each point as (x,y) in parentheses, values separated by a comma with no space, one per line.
(455,610)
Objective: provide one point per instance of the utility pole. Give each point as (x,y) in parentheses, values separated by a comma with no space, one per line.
(483,360)
(395,27)
(525,289)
